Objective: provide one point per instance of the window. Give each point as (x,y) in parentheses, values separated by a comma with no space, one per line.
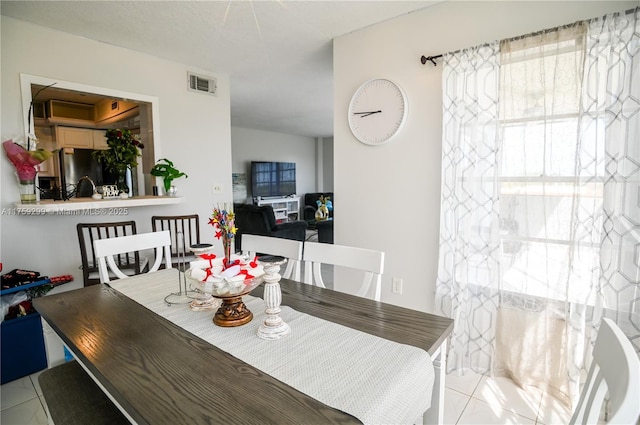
(551,176)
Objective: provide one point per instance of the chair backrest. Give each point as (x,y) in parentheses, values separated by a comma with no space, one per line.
(90,232)
(107,249)
(253,245)
(179,226)
(616,368)
(368,260)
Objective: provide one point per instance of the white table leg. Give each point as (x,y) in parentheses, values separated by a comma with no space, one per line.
(53,346)
(435,414)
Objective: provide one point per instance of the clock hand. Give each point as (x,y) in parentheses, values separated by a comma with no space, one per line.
(366,114)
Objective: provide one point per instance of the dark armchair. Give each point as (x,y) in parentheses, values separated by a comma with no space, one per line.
(261,220)
(325,231)
(310,206)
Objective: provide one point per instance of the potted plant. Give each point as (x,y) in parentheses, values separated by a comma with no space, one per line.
(165,169)
(122,155)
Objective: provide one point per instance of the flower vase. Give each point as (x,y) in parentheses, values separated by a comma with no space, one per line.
(121,182)
(27,191)
(227,243)
(322,213)
(173,191)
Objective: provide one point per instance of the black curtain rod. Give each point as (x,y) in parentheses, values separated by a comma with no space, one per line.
(432,59)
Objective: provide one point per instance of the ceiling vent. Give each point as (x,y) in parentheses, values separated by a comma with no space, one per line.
(202,84)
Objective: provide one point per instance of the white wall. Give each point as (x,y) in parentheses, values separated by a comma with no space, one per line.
(389,195)
(257,145)
(194,132)
(327,165)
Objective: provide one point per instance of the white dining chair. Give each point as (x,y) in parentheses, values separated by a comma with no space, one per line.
(616,368)
(107,249)
(288,248)
(370,261)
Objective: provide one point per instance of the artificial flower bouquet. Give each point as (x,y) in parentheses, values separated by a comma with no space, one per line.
(25,158)
(223,221)
(25,161)
(228,275)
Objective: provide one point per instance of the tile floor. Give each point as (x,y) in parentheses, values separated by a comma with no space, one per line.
(22,402)
(469,399)
(477,399)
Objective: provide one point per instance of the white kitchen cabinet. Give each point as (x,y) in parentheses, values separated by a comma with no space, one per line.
(72,137)
(80,138)
(99,139)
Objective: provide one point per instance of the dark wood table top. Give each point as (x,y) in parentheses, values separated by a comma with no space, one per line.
(411,327)
(161,374)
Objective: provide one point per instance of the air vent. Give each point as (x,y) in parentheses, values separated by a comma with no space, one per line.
(114,105)
(202,84)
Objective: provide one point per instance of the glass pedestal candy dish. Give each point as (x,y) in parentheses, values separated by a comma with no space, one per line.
(233,311)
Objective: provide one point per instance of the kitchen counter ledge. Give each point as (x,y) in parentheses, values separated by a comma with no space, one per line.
(78,206)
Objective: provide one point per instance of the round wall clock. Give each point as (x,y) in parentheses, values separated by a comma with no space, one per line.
(377,111)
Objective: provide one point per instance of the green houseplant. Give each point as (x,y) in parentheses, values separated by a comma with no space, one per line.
(124,150)
(165,169)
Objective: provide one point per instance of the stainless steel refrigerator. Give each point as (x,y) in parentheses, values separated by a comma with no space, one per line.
(80,163)
(74,166)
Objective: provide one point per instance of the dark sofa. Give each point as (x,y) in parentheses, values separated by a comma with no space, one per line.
(261,220)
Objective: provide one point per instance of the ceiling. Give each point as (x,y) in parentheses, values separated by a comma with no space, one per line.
(278,54)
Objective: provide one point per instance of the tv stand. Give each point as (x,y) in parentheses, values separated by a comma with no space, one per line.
(285,209)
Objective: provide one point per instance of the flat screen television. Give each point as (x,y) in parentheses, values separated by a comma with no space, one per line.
(273,179)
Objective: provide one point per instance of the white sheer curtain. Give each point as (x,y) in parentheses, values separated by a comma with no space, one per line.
(553,203)
(611,104)
(541,168)
(468,274)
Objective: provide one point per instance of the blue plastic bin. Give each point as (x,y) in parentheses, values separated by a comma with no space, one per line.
(22,349)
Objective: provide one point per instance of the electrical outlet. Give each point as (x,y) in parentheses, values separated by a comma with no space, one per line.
(216,188)
(396,285)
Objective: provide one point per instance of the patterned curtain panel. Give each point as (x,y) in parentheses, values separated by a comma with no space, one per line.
(540,200)
(611,104)
(468,274)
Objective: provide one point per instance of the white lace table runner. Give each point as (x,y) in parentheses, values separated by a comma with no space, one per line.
(376,380)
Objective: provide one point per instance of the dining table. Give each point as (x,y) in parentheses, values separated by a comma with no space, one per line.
(348,359)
